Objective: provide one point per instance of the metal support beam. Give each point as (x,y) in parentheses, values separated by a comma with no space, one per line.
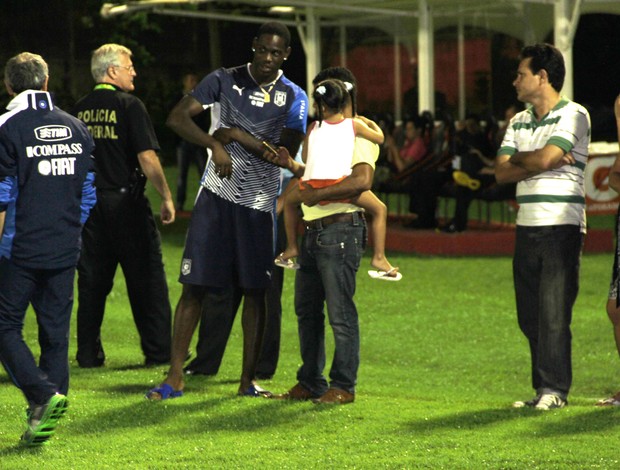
(565,26)
(398,86)
(461,68)
(343,45)
(426,59)
(311,41)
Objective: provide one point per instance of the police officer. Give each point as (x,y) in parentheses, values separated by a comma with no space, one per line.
(122,229)
(46,192)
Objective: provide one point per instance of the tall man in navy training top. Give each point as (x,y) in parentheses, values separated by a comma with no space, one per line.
(121,229)
(231,236)
(545,151)
(46,193)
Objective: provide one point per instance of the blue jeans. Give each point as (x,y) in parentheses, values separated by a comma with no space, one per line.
(546,278)
(329,260)
(51,293)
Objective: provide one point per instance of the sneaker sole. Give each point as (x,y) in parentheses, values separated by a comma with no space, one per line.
(55,410)
(549,408)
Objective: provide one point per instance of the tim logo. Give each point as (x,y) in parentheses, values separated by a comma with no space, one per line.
(280,98)
(52,133)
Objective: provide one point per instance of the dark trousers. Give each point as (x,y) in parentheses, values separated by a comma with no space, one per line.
(51,293)
(424,189)
(188,154)
(546,278)
(121,230)
(218,315)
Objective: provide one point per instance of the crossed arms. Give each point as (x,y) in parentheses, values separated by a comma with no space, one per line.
(522,165)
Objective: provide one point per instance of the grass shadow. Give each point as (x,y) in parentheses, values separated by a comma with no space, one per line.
(215,414)
(596,420)
(18,449)
(555,423)
(470,420)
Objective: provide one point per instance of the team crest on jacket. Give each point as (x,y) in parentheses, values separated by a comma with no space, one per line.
(280,98)
(186,266)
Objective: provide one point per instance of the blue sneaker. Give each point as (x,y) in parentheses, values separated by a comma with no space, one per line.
(41,420)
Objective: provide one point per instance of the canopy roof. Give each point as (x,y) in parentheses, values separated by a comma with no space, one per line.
(518,18)
(409,22)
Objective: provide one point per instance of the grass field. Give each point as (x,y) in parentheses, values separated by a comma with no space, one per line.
(442,359)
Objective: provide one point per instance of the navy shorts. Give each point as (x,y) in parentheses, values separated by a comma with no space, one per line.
(228,244)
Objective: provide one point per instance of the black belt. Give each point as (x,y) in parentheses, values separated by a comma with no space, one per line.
(323,222)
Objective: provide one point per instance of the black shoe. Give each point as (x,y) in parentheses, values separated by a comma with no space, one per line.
(416,224)
(91,357)
(189,371)
(90,363)
(451,229)
(155,363)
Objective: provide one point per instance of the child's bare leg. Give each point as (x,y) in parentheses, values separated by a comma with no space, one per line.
(378,227)
(292,202)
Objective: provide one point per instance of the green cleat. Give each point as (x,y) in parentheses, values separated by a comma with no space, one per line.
(41,420)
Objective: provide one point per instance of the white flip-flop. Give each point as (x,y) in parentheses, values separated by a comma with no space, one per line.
(285,263)
(385,275)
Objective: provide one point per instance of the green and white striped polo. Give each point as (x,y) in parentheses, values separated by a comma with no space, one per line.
(554,197)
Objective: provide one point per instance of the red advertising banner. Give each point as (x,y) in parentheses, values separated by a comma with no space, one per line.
(600,198)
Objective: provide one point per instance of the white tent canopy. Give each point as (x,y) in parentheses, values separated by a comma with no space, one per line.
(409,22)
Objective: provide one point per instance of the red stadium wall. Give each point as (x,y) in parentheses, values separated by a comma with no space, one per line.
(374,68)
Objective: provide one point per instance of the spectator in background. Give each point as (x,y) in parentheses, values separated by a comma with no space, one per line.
(426,184)
(384,169)
(510,112)
(122,229)
(474,159)
(413,149)
(188,153)
(43,203)
(472,147)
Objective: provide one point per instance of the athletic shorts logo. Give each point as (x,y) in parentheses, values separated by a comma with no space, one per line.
(280,98)
(52,133)
(186,266)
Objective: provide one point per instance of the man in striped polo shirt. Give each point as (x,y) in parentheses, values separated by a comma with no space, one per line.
(545,151)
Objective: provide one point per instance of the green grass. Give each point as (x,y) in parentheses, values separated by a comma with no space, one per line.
(442,359)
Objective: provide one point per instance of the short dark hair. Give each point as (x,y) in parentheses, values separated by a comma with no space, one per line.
(344,75)
(547,57)
(277,29)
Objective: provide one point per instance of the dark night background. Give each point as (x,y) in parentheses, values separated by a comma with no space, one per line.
(64,32)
